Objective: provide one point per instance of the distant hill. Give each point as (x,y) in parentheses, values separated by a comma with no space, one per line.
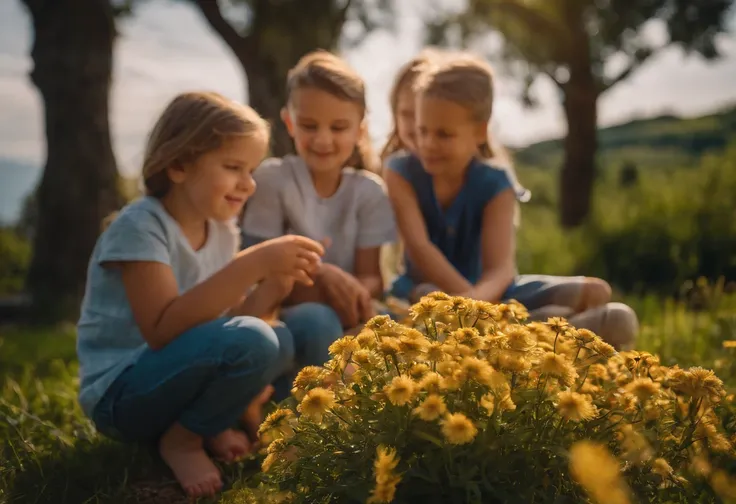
(659,141)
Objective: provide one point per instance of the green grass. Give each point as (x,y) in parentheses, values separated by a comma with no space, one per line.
(51,453)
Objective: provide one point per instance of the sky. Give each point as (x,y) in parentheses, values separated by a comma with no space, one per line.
(165,48)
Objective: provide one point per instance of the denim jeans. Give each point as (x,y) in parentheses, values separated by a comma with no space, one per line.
(204,379)
(305,334)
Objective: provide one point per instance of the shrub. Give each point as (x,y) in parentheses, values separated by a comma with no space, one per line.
(467,403)
(15,256)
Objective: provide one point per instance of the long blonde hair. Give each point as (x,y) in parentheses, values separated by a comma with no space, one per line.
(468,81)
(191,125)
(327,72)
(404,79)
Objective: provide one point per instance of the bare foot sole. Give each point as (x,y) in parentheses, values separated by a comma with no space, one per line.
(253,416)
(183,452)
(229,446)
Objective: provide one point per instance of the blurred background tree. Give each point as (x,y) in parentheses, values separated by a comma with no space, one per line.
(268,38)
(575,43)
(72,56)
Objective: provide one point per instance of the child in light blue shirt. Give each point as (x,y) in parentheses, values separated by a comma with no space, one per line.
(169,347)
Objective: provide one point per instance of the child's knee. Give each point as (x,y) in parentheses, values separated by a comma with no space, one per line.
(322,321)
(596,292)
(248,340)
(622,325)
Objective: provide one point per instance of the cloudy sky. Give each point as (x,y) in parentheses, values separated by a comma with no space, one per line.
(165,48)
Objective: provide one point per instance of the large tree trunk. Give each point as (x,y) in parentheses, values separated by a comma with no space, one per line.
(72,56)
(578,171)
(580,103)
(279,34)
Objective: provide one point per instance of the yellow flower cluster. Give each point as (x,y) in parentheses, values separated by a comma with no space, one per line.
(459,371)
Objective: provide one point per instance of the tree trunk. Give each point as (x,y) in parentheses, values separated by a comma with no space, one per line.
(279,34)
(72,56)
(581,144)
(580,103)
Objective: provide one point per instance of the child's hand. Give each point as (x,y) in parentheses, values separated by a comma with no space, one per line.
(346,295)
(292,255)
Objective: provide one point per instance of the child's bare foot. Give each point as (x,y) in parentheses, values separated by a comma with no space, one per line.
(183,452)
(229,445)
(253,416)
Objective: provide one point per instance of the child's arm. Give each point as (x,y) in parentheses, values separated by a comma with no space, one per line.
(429,260)
(266,298)
(498,248)
(162,313)
(368,270)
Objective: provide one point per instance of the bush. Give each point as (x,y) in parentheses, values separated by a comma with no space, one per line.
(15,257)
(467,403)
(673,228)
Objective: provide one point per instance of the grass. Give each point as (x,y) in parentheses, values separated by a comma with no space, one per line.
(51,453)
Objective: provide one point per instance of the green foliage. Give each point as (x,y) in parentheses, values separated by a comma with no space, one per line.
(15,256)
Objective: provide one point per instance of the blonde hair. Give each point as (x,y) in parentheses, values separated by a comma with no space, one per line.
(326,72)
(403,80)
(193,124)
(468,81)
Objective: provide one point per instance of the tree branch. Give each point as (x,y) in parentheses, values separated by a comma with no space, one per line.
(639,57)
(210,9)
(534,20)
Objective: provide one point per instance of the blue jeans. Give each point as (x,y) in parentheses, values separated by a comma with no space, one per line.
(305,334)
(204,379)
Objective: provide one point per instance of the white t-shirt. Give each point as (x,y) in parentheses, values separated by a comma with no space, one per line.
(357,216)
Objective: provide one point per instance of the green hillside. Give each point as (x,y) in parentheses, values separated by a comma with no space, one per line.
(661,141)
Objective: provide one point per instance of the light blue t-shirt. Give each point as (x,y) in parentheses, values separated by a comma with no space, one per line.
(357,216)
(108,338)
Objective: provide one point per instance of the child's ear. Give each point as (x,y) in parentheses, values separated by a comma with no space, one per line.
(286,117)
(176,173)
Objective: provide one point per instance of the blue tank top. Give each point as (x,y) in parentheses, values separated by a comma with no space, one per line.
(455,230)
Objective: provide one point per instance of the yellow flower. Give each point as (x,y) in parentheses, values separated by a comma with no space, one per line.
(458,429)
(418,370)
(411,348)
(557,324)
(386,481)
(634,446)
(431,408)
(597,471)
(575,407)
(699,383)
(514,362)
(364,358)
(519,338)
(460,304)
(472,368)
(435,352)
(439,296)
(426,308)
(488,403)
(505,403)
(379,323)
(560,367)
(603,348)
(389,346)
(268,462)
(344,347)
(662,468)
(643,388)
(498,382)
(431,382)
(401,390)
(317,402)
(276,421)
(309,376)
(366,339)
(584,337)
(468,336)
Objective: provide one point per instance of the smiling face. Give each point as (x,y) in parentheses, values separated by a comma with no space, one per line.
(447,136)
(218,183)
(404,115)
(325,128)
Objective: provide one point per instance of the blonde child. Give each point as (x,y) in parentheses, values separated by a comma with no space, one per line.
(166,348)
(456,211)
(321,194)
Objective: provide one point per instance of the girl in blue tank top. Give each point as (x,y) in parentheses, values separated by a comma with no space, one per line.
(456,211)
